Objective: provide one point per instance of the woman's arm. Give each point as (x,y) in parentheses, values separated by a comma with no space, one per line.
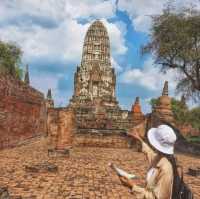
(150,154)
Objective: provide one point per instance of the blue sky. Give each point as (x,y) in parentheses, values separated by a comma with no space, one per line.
(51,33)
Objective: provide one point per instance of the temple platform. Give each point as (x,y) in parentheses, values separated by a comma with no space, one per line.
(108,138)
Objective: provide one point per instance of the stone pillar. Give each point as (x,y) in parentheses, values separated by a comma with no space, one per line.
(52,127)
(66,128)
(61,129)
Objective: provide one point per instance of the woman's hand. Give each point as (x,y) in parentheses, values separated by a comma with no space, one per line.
(133,133)
(127,182)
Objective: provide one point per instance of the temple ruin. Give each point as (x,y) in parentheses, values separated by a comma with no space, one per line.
(94,99)
(92,117)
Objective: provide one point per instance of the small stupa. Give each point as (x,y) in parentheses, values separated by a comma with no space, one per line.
(137,114)
(49,99)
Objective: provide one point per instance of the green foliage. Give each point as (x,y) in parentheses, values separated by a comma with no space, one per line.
(180,111)
(175,38)
(153,102)
(194,117)
(19,72)
(10,59)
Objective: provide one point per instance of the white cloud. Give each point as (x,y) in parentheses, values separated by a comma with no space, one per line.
(65,40)
(51,30)
(140,11)
(116,32)
(57,10)
(92,8)
(51,9)
(148,77)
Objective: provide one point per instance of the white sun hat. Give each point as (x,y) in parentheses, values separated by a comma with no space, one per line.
(162,138)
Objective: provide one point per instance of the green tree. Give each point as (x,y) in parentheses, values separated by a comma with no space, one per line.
(10,59)
(154,102)
(194,117)
(180,111)
(175,44)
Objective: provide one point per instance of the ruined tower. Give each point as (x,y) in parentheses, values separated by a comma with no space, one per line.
(163,111)
(95,79)
(94,99)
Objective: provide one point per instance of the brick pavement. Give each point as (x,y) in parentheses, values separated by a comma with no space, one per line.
(84,175)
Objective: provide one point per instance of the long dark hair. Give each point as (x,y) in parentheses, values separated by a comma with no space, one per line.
(176,179)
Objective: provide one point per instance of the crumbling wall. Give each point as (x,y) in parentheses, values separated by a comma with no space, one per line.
(22,112)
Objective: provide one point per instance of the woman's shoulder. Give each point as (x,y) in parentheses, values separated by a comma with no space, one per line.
(165,164)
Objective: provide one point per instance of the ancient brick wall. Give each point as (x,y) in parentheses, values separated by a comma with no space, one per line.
(22,112)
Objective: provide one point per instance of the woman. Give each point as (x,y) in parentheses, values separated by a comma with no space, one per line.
(160,175)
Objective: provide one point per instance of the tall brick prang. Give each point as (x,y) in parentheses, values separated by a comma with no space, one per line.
(95,78)
(94,98)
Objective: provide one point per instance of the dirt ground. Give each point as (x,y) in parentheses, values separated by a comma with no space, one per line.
(85,174)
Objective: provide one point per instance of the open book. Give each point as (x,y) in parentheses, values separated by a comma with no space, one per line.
(121,172)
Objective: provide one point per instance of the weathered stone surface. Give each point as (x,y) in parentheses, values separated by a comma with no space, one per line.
(42,167)
(95,78)
(4,194)
(85,174)
(22,112)
(194,172)
(99,139)
(61,128)
(59,153)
